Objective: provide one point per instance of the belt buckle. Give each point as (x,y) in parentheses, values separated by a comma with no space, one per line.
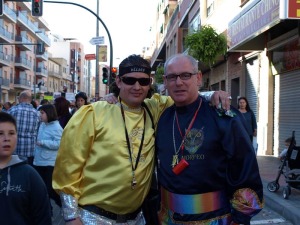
(121,218)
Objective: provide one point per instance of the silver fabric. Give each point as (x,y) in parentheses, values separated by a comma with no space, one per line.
(69,206)
(89,218)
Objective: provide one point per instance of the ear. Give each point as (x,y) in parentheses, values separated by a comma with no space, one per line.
(165,80)
(118,81)
(199,79)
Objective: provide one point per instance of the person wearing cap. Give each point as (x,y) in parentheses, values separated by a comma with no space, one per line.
(106,157)
(207,168)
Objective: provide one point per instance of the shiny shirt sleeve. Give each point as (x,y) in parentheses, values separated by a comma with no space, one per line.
(74,149)
(244,182)
(157,104)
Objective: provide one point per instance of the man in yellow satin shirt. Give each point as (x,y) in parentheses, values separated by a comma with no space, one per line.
(106,158)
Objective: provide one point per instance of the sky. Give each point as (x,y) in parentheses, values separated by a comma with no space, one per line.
(128,23)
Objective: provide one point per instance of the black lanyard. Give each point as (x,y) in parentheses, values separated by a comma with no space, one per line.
(133,167)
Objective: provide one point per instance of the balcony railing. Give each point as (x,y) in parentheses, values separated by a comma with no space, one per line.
(23,61)
(22,16)
(22,82)
(6,34)
(9,13)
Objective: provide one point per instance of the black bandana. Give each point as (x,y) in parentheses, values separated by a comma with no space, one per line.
(131,69)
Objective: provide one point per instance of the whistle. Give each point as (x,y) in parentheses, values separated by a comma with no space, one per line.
(180,166)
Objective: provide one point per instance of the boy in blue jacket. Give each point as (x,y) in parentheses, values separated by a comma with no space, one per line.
(23,195)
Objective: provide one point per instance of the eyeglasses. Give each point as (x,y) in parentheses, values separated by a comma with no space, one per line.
(133,80)
(183,76)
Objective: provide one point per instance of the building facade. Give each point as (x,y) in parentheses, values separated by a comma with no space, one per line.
(23,61)
(262,61)
(28,51)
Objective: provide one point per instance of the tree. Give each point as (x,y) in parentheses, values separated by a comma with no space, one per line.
(159,74)
(206,45)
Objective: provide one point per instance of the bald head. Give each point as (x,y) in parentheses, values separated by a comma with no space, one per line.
(25,96)
(180,58)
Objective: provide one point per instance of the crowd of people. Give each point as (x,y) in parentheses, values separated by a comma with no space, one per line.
(99,161)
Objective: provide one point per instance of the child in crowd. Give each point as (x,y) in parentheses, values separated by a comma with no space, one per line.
(47,145)
(23,196)
(287,143)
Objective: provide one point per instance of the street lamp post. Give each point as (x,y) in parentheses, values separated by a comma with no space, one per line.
(97,58)
(34,81)
(0,89)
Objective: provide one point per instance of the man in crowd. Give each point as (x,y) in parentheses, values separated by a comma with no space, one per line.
(28,120)
(206,164)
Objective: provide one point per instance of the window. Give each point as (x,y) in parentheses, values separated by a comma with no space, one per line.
(209,7)
(195,24)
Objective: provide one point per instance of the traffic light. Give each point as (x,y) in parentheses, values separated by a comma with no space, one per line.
(36,7)
(104,75)
(114,72)
(1,7)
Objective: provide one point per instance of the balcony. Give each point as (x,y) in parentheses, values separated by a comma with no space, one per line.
(22,83)
(43,72)
(43,57)
(22,43)
(55,74)
(26,24)
(5,36)
(43,37)
(9,15)
(5,60)
(43,24)
(23,63)
(4,83)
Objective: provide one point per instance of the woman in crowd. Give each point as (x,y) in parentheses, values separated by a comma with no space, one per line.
(62,108)
(249,116)
(47,145)
(81,99)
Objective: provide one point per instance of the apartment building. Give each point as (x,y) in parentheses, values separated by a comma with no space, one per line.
(59,77)
(28,51)
(23,65)
(262,61)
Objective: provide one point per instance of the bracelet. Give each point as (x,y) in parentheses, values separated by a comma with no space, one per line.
(69,220)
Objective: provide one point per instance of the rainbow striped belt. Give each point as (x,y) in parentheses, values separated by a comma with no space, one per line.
(194,204)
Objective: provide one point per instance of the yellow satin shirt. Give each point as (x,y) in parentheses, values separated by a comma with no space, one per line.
(93,163)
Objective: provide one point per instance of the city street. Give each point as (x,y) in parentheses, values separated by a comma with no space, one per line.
(268,216)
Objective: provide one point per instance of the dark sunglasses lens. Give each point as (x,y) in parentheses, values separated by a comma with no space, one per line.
(129,80)
(144,81)
(132,81)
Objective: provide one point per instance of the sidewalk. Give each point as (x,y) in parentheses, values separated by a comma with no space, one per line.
(288,208)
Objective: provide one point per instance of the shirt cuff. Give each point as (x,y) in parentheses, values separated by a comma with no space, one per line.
(207,95)
(69,206)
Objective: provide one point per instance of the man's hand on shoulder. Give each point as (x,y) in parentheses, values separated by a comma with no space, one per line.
(110,98)
(221,99)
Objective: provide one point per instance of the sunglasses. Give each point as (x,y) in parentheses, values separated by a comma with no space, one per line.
(133,80)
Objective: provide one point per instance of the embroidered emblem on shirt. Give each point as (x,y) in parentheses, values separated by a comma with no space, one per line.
(194,140)
(135,137)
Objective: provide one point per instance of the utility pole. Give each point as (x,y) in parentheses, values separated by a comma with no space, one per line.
(97,89)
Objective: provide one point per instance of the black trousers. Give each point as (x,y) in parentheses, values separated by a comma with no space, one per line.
(46,174)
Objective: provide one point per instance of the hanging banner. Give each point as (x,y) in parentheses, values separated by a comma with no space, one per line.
(90,56)
(102,53)
(293,9)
